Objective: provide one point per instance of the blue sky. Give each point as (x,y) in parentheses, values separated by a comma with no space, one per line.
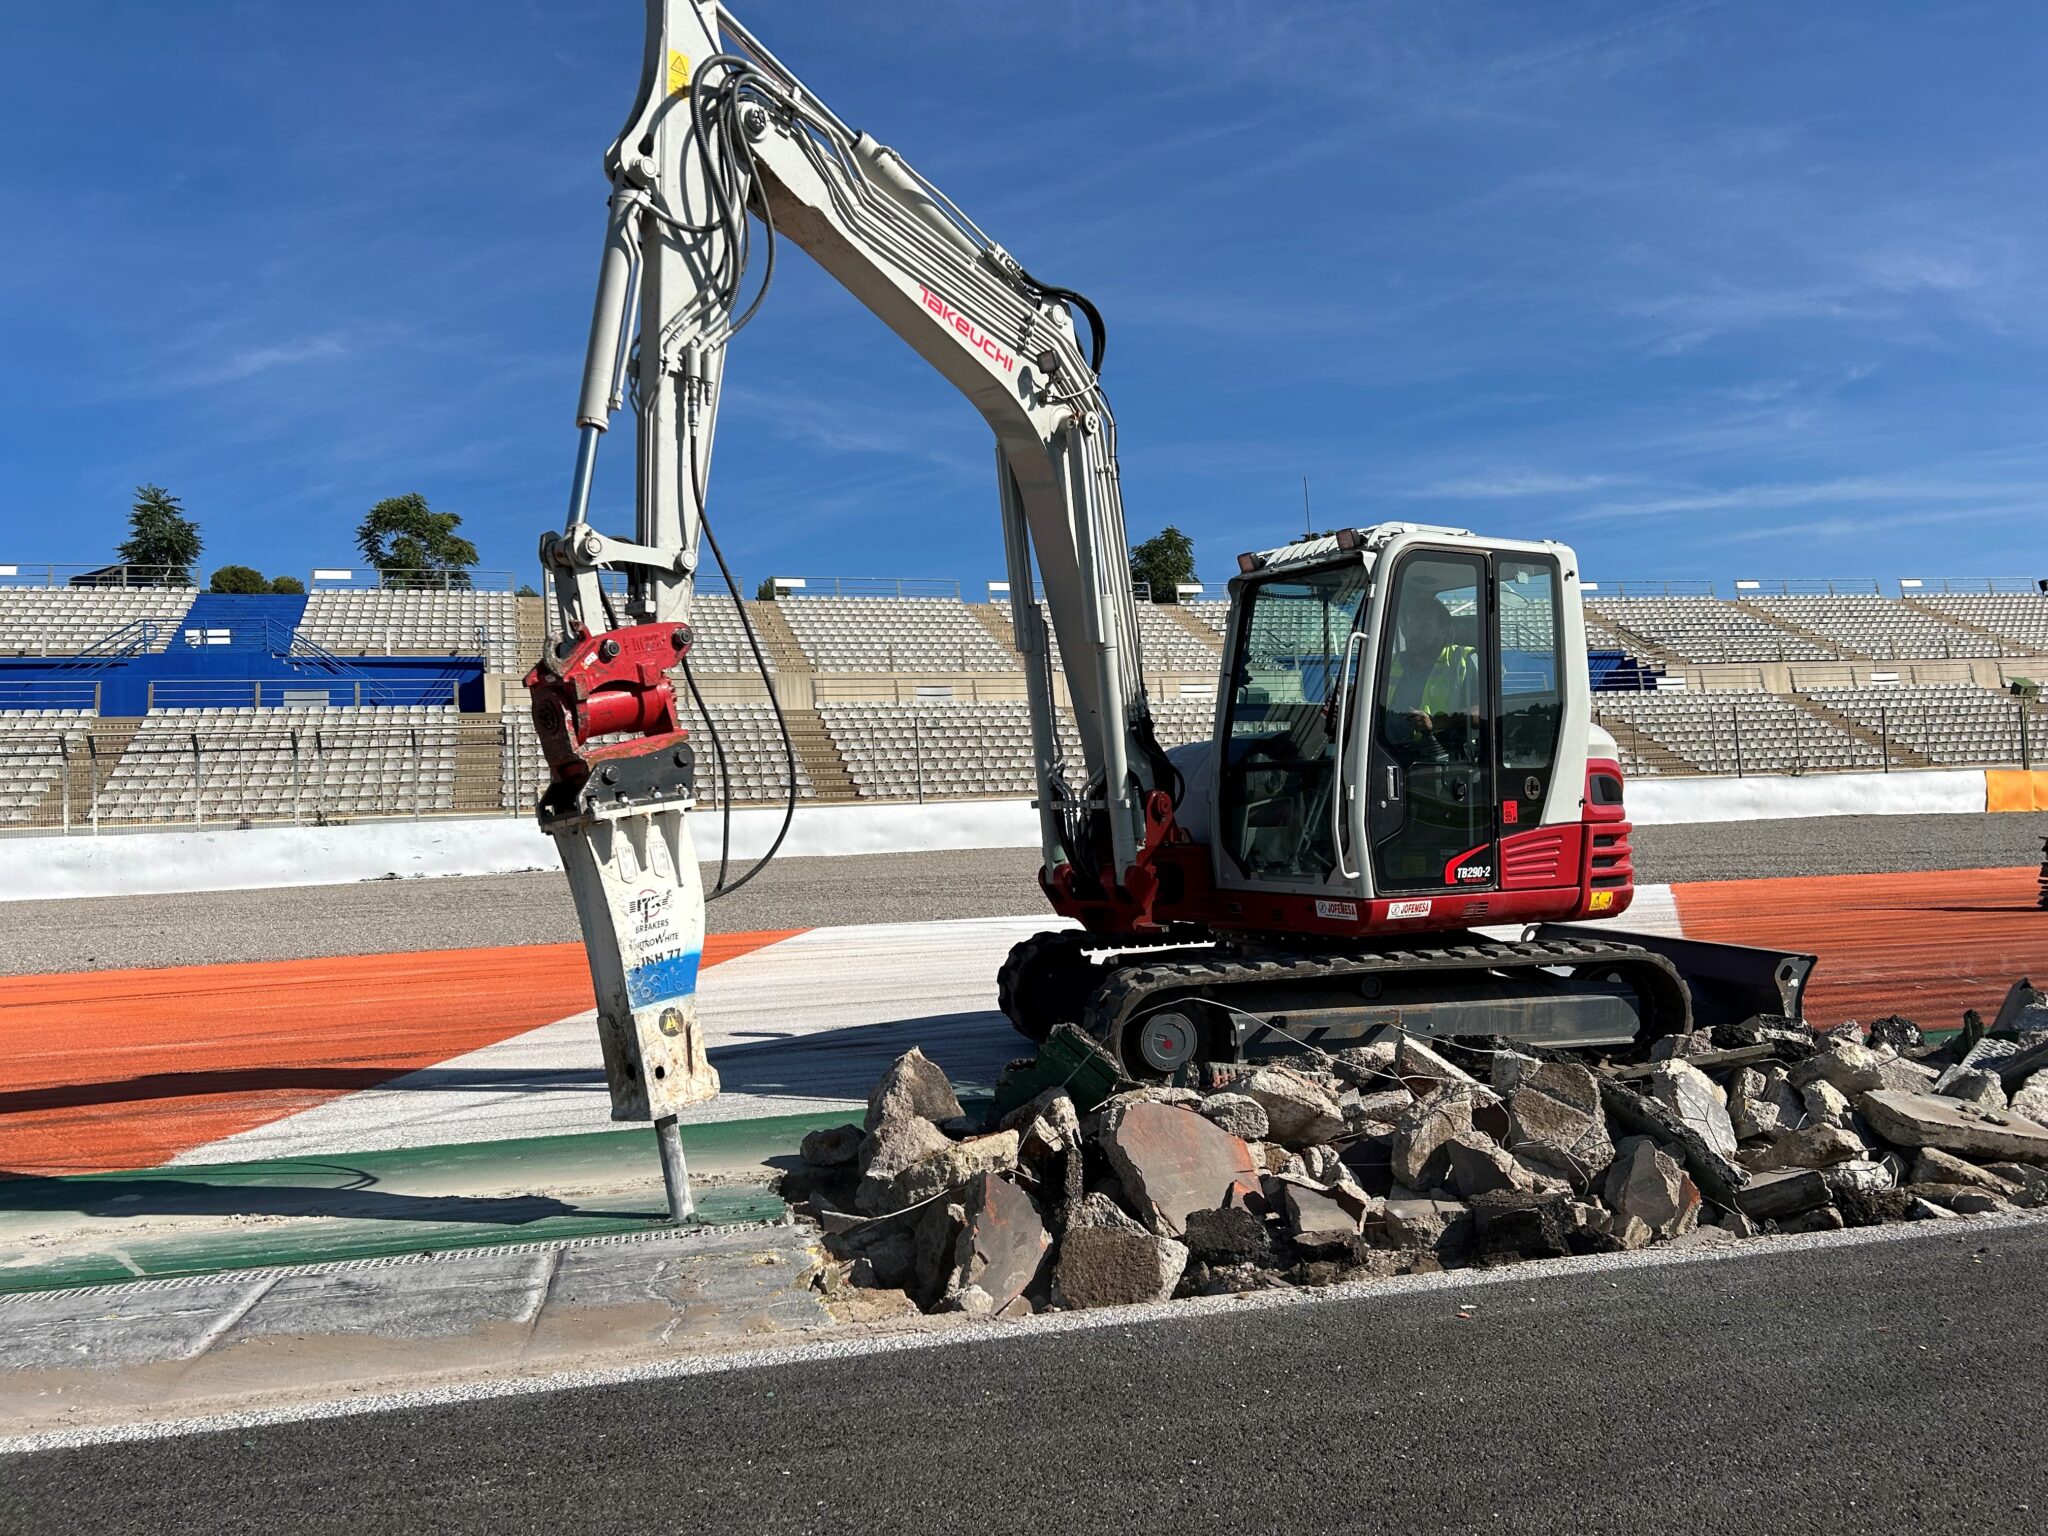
(1709,290)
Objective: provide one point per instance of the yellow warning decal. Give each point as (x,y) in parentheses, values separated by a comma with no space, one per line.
(1602,901)
(678,71)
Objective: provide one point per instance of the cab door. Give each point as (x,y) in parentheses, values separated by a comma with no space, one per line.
(1430,769)
(1286,743)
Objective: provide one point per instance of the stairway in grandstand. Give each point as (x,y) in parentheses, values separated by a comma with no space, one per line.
(1899,754)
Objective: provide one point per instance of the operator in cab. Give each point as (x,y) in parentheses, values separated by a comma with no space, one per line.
(1433,695)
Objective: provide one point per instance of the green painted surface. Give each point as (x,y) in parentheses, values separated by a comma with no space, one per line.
(100,1228)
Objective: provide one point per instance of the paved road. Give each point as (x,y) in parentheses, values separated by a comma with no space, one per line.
(1883,1388)
(385,917)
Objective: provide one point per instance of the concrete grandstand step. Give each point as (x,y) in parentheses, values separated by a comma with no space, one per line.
(777,639)
(1901,755)
(479,751)
(1638,645)
(1192,623)
(1779,621)
(1638,746)
(998,624)
(1954,620)
(820,756)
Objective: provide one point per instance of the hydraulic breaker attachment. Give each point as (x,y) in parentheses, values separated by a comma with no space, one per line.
(1729,983)
(617,814)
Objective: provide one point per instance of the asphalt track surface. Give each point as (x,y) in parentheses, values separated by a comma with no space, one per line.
(389,917)
(1886,1387)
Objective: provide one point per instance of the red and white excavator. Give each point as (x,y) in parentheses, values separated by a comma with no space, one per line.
(1403,750)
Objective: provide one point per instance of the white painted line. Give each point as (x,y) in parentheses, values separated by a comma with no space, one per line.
(798,1027)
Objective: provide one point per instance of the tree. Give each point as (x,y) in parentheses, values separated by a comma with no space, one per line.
(415,546)
(1165,560)
(525,590)
(290,584)
(765,593)
(241,579)
(162,536)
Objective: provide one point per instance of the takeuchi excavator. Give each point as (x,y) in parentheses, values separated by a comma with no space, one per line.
(1405,816)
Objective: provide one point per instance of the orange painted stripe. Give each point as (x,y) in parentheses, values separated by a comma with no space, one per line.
(126,1069)
(1926,945)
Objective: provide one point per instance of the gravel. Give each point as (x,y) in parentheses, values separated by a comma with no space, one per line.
(392,916)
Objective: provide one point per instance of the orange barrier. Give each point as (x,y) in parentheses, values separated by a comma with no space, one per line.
(2015,789)
(1925,945)
(126,1069)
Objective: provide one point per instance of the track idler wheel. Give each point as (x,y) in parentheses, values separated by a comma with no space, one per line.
(1047,980)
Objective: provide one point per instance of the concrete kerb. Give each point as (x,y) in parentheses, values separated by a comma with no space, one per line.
(256,858)
(1524,1276)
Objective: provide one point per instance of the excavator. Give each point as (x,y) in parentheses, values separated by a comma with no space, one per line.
(1405,817)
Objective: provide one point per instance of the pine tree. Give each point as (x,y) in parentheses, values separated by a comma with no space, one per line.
(160,537)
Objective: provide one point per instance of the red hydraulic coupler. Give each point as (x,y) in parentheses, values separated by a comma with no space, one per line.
(607,684)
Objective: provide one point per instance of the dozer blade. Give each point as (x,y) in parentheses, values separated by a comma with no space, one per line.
(1728,982)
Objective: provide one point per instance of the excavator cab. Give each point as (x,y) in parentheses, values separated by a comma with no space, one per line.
(1394,706)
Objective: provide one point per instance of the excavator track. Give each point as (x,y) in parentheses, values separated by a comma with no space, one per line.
(1211,1002)
(1048,978)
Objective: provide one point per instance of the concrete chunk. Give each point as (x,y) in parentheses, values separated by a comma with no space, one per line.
(1923,1120)
(1975,1086)
(1697,1102)
(1111,1267)
(1857,1069)
(913,1085)
(897,1141)
(1934,1166)
(1422,1134)
(831,1147)
(1299,1110)
(948,1168)
(1649,1193)
(1317,1220)
(1555,1122)
(1718,1176)
(1172,1161)
(1001,1247)
(1237,1114)
(1817,1146)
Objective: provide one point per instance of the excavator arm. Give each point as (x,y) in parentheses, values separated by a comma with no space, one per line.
(724,156)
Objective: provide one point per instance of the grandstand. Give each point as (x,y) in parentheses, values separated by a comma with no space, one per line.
(1878,628)
(352,621)
(64,621)
(892,634)
(137,705)
(294,763)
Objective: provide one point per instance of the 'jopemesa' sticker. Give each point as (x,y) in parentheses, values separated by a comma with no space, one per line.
(1408,908)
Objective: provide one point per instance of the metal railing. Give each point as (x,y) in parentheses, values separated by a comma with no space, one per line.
(54,574)
(1913,734)
(314,690)
(308,772)
(873,586)
(368,578)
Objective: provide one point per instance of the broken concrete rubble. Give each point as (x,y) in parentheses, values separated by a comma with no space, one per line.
(1924,1120)
(1555,1122)
(1114,1267)
(913,1085)
(1424,1131)
(1300,1112)
(1697,1100)
(1172,1161)
(1237,1114)
(1973,1085)
(1001,1247)
(1649,1194)
(1393,1158)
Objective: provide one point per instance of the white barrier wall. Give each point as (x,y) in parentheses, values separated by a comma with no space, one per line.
(137,863)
